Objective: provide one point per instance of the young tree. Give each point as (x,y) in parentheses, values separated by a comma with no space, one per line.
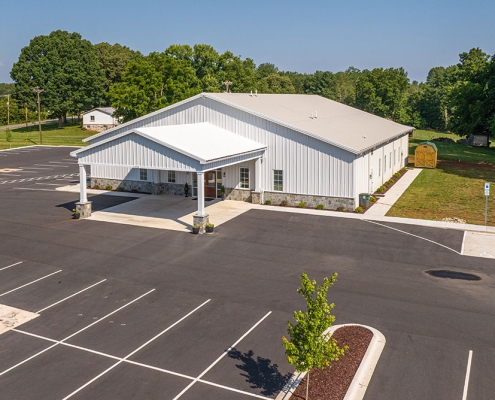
(65,67)
(308,347)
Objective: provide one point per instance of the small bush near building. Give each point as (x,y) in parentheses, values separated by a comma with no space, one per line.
(381,189)
(359,209)
(96,186)
(372,199)
(302,204)
(120,189)
(340,208)
(268,202)
(134,191)
(108,187)
(284,203)
(319,207)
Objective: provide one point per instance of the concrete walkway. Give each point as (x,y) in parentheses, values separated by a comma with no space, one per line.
(384,204)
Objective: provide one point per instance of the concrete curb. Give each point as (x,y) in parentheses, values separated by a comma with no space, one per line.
(363,375)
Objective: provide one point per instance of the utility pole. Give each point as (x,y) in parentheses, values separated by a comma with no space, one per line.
(8,110)
(26,117)
(37,90)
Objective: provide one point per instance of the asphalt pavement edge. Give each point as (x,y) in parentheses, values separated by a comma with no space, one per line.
(362,378)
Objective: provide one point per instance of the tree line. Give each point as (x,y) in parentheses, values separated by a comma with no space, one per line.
(77,76)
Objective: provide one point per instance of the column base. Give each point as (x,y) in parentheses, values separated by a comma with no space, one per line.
(84,209)
(201,221)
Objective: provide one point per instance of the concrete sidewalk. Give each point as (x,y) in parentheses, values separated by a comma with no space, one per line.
(384,204)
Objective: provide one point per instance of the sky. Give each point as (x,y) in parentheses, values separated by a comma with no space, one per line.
(302,36)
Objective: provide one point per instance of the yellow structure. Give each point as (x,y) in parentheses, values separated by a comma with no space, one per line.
(425,155)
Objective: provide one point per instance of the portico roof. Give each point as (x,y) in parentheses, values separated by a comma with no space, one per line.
(206,144)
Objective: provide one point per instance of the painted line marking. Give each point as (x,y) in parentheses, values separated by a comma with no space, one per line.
(30,283)
(74,334)
(219,358)
(463,241)
(411,234)
(142,365)
(8,174)
(68,297)
(135,351)
(47,184)
(468,372)
(12,265)
(43,190)
(53,166)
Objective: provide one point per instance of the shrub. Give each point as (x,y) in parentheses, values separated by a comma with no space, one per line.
(359,209)
(209,225)
(120,189)
(134,191)
(268,202)
(372,199)
(381,189)
(340,208)
(108,187)
(397,175)
(96,186)
(302,204)
(284,203)
(319,207)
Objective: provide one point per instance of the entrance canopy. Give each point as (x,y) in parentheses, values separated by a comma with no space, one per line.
(191,147)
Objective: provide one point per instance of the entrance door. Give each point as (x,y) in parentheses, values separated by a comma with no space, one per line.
(211,184)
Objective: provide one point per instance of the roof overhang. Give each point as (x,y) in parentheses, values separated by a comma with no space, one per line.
(199,147)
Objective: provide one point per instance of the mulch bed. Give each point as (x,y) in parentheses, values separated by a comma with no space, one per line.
(332,382)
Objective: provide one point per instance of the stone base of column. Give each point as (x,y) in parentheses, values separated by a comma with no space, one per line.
(201,221)
(84,209)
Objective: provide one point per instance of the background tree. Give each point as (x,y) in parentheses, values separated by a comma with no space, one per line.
(113,60)
(308,347)
(153,82)
(65,67)
(276,84)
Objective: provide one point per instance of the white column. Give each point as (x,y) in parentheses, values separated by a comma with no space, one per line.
(201,194)
(83,198)
(257,174)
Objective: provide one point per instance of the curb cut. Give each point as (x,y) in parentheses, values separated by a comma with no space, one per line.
(363,375)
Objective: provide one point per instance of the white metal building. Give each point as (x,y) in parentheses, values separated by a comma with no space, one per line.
(259,147)
(100,119)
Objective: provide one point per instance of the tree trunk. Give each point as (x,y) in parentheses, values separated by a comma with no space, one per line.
(60,121)
(65,118)
(307,386)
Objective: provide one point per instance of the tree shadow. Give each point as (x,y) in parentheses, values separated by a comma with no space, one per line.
(260,373)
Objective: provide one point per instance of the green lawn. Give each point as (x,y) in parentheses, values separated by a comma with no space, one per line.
(70,135)
(454,188)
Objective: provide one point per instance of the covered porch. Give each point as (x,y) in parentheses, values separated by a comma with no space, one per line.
(199,154)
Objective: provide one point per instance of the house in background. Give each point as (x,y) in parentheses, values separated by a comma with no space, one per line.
(100,119)
(297,148)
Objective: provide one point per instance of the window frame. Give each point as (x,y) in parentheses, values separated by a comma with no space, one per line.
(171,177)
(143,172)
(244,181)
(92,118)
(278,180)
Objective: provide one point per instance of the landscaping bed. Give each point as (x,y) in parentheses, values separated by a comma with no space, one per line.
(333,382)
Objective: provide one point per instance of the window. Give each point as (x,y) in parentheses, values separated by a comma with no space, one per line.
(379,167)
(143,174)
(171,176)
(92,118)
(384,164)
(390,161)
(244,178)
(395,155)
(278,182)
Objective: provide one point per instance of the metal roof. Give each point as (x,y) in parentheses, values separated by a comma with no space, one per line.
(106,110)
(343,126)
(203,142)
(339,124)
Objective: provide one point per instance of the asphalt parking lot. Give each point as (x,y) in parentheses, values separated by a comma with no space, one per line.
(131,312)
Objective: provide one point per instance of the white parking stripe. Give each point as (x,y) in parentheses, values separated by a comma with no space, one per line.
(68,297)
(142,365)
(468,372)
(30,283)
(42,190)
(135,351)
(74,334)
(45,165)
(13,265)
(411,234)
(219,358)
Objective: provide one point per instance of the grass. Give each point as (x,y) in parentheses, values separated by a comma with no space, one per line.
(70,135)
(454,188)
